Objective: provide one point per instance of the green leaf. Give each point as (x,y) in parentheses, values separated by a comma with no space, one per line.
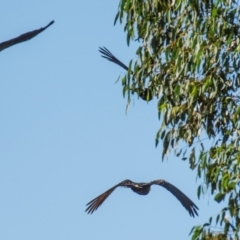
(219,197)
(217,218)
(116,18)
(199,189)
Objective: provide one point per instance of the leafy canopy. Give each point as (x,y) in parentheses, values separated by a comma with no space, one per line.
(188,58)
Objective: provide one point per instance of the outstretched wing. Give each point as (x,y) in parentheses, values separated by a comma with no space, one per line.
(109,56)
(143,93)
(23,37)
(96,202)
(185,201)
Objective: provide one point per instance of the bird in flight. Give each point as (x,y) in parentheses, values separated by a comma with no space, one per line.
(144,189)
(144,93)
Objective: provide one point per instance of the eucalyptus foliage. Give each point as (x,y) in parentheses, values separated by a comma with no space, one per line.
(188,59)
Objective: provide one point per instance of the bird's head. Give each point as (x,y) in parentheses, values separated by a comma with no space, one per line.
(127,182)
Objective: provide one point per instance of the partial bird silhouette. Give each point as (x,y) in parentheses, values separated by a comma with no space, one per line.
(144,93)
(144,189)
(24,37)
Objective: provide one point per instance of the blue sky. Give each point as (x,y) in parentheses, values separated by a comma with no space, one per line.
(65,137)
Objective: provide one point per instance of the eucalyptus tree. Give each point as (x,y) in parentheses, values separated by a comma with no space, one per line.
(188,59)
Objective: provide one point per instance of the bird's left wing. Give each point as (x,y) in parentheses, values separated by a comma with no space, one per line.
(96,202)
(185,201)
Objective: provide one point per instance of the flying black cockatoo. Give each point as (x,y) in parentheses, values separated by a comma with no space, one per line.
(144,93)
(144,189)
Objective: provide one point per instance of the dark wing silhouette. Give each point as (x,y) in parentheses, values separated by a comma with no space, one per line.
(185,201)
(143,93)
(96,202)
(22,38)
(109,56)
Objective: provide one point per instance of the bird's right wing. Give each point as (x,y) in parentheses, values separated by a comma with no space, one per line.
(143,93)
(109,56)
(185,201)
(96,202)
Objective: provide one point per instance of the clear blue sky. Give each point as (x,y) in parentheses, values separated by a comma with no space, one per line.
(65,137)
